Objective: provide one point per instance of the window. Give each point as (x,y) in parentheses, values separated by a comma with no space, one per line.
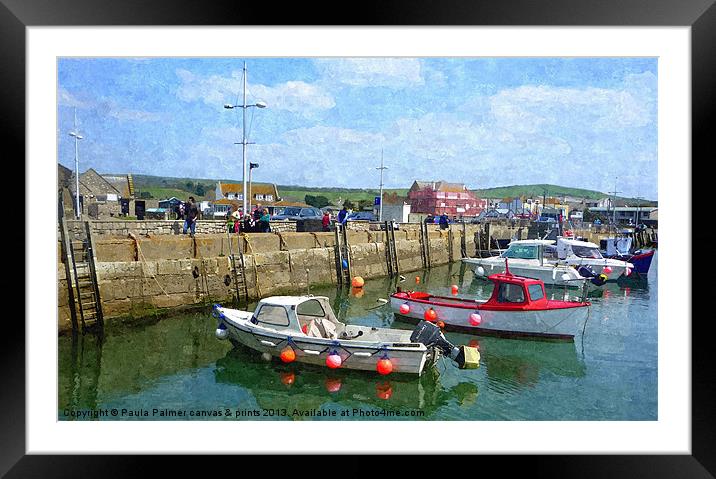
(239,197)
(536,291)
(259,197)
(586,252)
(269,197)
(312,307)
(510,293)
(275,315)
(520,251)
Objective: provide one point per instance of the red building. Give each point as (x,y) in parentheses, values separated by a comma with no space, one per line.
(438,197)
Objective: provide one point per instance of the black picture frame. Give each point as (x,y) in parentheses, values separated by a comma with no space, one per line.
(16,15)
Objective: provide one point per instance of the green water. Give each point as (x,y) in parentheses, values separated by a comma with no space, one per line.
(176,365)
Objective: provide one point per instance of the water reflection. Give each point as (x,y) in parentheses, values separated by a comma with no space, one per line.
(275,386)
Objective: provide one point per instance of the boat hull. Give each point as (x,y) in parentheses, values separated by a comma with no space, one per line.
(358,355)
(554,324)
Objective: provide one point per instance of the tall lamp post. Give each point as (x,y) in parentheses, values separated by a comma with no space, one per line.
(244,142)
(77,137)
(380,209)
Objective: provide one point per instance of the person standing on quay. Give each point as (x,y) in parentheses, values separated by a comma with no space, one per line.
(192,214)
(342,215)
(326,221)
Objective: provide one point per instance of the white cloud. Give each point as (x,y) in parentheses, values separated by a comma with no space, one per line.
(215,90)
(387,72)
(65,98)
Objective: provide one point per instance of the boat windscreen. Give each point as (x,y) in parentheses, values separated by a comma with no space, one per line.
(521,251)
(587,252)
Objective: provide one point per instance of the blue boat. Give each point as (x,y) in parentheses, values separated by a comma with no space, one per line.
(619,247)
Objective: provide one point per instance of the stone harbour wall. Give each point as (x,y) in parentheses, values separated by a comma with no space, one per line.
(138,276)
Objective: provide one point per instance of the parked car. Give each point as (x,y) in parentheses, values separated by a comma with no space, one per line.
(298,213)
(362,215)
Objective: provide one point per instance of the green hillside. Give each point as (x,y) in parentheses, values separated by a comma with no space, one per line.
(203,189)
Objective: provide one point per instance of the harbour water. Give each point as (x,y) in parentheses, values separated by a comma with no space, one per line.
(175,369)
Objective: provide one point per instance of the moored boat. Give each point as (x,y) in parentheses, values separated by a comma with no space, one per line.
(305,329)
(518,307)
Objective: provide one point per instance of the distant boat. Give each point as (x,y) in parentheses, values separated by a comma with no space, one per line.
(620,248)
(518,307)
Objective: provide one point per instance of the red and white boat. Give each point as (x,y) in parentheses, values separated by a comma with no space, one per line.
(518,308)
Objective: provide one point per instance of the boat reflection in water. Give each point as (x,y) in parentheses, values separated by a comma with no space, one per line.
(275,385)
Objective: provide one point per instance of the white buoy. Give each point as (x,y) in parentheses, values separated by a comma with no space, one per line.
(481,271)
(266,356)
(222,333)
(565,277)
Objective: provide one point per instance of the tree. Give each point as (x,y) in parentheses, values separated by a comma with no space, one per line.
(316,201)
(145,195)
(199,190)
(348,204)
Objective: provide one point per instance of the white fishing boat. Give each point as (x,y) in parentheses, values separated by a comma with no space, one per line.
(517,308)
(305,329)
(529,258)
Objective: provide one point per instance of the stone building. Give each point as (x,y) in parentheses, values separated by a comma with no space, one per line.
(103,196)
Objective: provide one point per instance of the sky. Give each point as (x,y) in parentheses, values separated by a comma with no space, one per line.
(485,122)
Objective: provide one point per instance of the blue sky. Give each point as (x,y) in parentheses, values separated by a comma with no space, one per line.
(485,122)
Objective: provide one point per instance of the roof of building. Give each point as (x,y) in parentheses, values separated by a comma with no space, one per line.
(93,184)
(439,186)
(256,188)
(120,183)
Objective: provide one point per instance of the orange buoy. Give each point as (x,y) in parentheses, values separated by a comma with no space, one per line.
(334,360)
(430,315)
(417,280)
(384,366)
(288,355)
(357,282)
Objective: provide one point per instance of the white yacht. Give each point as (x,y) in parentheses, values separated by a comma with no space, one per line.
(531,259)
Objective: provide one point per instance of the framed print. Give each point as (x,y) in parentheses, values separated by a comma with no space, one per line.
(276,239)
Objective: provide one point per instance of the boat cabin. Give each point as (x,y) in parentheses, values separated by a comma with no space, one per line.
(516,292)
(309,315)
(570,248)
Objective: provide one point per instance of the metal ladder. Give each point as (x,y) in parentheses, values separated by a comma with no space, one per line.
(239,277)
(390,251)
(425,245)
(342,253)
(82,283)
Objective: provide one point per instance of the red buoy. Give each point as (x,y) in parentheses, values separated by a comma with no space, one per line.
(475,319)
(404,308)
(305,328)
(607,270)
(384,366)
(334,360)
(430,315)
(417,280)
(357,282)
(454,290)
(288,355)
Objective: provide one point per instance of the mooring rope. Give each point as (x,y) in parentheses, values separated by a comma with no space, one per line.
(143,259)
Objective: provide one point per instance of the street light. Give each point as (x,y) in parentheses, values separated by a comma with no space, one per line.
(77,137)
(380,210)
(244,106)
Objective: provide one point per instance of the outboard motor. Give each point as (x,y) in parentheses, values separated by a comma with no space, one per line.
(597,279)
(430,335)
